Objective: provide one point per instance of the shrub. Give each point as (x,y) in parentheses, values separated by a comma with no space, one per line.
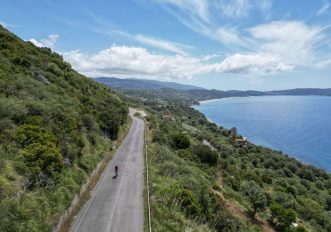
(43,164)
(281,216)
(29,134)
(180,141)
(205,154)
(256,196)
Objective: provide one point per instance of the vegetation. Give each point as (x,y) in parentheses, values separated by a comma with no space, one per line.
(217,184)
(55,126)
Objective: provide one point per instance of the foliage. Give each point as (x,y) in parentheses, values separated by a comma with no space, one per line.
(205,154)
(282,217)
(30,134)
(55,126)
(250,175)
(180,141)
(257,197)
(43,163)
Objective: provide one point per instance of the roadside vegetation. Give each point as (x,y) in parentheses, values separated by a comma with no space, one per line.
(55,126)
(204,178)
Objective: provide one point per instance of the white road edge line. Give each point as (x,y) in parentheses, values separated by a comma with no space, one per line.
(147,183)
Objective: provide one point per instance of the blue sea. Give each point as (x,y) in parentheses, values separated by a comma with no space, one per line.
(297,125)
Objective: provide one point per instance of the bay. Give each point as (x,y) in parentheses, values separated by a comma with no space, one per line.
(297,125)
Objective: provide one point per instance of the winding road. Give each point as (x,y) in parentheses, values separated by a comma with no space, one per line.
(117,204)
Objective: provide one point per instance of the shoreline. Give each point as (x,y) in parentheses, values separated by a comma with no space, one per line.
(285,95)
(261,145)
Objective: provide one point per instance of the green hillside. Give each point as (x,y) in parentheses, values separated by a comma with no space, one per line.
(55,126)
(204,178)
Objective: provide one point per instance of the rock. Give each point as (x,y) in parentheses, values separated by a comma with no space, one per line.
(43,79)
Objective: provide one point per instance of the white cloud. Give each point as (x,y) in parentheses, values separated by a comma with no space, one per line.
(293,42)
(134,61)
(210,57)
(49,42)
(198,8)
(251,63)
(234,8)
(206,16)
(324,8)
(139,62)
(230,36)
(163,44)
(242,8)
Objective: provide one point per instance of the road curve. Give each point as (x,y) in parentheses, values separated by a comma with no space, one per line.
(117,204)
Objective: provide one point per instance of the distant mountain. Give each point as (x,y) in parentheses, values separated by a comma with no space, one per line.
(307,91)
(150,89)
(132,83)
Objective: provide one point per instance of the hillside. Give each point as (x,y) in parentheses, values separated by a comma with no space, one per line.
(204,179)
(55,126)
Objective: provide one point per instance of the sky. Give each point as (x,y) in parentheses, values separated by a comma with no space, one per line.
(216,44)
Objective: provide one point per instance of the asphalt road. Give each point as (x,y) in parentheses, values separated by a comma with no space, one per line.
(117,204)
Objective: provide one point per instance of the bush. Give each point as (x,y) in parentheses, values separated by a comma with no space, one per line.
(29,134)
(281,216)
(180,141)
(205,154)
(43,164)
(257,197)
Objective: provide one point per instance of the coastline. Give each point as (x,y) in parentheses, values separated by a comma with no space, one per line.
(284,153)
(251,96)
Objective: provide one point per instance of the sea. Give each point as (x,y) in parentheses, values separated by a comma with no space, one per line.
(299,126)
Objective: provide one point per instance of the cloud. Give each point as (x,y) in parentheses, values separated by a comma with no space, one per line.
(206,17)
(278,46)
(235,8)
(49,42)
(293,42)
(324,8)
(198,8)
(139,62)
(163,44)
(134,61)
(107,29)
(251,63)
(209,57)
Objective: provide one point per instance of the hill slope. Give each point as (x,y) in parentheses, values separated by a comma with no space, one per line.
(55,125)
(205,178)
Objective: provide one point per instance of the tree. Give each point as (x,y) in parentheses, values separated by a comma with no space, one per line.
(181,141)
(205,154)
(257,197)
(282,217)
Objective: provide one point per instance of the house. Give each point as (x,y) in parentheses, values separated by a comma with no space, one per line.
(168,117)
(241,140)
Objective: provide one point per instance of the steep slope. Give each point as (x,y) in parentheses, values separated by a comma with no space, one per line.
(55,125)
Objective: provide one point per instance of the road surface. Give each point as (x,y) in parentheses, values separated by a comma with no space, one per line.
(117,204)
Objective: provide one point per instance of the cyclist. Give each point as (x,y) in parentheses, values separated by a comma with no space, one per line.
(116,171)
